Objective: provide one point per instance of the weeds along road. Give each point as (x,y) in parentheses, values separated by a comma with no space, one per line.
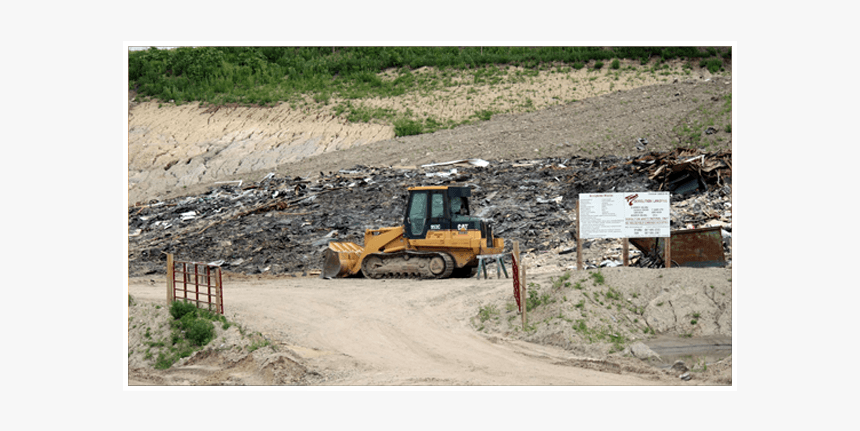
(399,332)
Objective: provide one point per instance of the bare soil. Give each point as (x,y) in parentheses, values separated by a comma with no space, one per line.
(351,332)
(180,150)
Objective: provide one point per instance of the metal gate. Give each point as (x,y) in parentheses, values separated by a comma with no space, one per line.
(195,282)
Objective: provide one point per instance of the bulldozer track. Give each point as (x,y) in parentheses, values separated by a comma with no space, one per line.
(408,264)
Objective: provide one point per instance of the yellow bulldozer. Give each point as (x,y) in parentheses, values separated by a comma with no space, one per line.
(439,238)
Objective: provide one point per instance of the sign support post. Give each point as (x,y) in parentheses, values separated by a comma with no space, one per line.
(667,252)
(625,251)
(578,237)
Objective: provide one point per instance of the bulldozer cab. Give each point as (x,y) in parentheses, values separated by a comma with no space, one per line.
(437,208)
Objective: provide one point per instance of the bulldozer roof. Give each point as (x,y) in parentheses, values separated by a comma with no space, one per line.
(452,190)
(429,188)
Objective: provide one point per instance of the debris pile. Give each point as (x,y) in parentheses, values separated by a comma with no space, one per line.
(684,171)
(283,225)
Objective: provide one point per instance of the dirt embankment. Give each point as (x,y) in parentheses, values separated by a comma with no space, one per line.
(350,332)
(175,150)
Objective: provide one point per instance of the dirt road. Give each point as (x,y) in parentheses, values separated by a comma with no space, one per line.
(395,332)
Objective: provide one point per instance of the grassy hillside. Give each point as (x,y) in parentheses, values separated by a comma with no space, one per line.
(267,75)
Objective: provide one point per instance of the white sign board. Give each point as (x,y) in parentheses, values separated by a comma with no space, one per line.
(624,215)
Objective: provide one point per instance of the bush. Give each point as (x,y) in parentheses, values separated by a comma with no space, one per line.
(178,309)
(484,115)
(598,64)
(406,127)
(615,64)
(713,65)
(199,331)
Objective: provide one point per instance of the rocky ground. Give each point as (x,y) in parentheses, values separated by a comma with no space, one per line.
(271,223)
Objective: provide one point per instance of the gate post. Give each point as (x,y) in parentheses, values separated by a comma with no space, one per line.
(219,300)
(169,279)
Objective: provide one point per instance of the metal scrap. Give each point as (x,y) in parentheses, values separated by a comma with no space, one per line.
(696,248)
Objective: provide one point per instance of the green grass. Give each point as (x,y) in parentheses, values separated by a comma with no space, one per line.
(713,65)
(191,330)
(691,130)
(487,312)
(561,281)
(601,333)
(264,76)
(259,343)
(536,299)
(484,115)
(407,127)
(613,294)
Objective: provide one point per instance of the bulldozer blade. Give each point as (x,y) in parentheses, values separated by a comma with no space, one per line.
(341,259)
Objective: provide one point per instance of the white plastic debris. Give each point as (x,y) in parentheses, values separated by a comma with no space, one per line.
(481,163)
(442,174)
(556,199)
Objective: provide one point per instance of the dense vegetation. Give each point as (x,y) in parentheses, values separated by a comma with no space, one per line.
(266,75)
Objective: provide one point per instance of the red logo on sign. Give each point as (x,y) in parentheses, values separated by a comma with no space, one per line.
(630,199)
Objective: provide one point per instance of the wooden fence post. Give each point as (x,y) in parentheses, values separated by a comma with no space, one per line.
(169,279)
(220,304)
